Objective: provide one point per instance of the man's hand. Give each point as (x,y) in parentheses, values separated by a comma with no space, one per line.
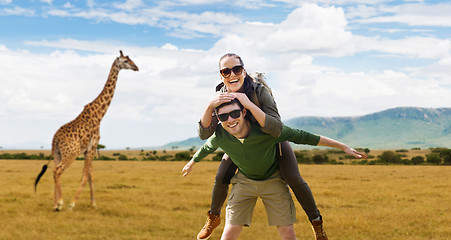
(188,167)
(355,153)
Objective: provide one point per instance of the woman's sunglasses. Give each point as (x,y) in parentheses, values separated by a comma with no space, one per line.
(234,114)
(225,72)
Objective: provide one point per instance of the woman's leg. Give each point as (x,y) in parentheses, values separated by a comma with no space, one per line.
(225,172)
(290,171)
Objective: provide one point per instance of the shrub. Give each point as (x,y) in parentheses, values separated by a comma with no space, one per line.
(445,154)
(320,159)
(406,161)
(433,158)
(302,158)
(418,160)
(105,158)
(402,150)
(182,156)
(390,157)
(363,162)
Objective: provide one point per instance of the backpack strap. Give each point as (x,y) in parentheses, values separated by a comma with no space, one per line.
(255,99)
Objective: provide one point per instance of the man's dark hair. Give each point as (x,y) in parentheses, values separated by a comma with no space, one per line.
(233,101)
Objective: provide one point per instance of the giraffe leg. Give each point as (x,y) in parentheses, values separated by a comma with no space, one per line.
(85,176)
(95,141)
(58,197)
(91,186)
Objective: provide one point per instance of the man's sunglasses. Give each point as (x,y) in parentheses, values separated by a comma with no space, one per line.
(234,114)
(225,72)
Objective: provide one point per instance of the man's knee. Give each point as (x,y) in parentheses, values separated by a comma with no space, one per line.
(287,232)
(231,232)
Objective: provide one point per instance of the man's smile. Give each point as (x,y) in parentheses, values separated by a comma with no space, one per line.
(233,125)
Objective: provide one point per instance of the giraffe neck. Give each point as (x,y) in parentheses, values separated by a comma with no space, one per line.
(99,106)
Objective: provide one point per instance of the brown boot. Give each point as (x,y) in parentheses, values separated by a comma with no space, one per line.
(318,230)
(213,220)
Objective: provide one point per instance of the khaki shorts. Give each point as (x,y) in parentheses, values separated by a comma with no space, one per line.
(275,196)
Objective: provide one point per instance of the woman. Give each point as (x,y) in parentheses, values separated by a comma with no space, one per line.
(236,83)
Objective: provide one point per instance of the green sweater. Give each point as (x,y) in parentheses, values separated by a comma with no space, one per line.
(256,156)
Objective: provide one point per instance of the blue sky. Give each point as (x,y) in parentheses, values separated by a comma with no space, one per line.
(321,58)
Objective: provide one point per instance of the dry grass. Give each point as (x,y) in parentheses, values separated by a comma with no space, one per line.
(151,200)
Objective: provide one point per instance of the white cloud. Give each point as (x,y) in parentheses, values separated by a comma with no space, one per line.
(19,11)
(47,1)
(129,5)
(68,5)
(415,14)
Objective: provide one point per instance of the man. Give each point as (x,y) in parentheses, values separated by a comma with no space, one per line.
(253,152)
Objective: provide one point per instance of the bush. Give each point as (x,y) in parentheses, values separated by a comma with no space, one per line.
(40,156)
(418,160)
(302,158)
(390,157)
(406,161)
(402,150)
(445,154)
(105,158)
(320,159)
(123,157)
(183,156)
(433,158)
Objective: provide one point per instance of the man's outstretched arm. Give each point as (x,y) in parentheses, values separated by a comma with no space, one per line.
(328,142)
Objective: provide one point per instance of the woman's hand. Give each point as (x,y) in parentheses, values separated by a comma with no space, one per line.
(220,98)
(244,100)
(188,167)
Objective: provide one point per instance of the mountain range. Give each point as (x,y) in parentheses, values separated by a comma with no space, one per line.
(402,127)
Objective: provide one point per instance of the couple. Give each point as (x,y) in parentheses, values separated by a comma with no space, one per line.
(249,133)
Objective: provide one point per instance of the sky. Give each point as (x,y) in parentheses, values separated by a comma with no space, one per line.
(320,57)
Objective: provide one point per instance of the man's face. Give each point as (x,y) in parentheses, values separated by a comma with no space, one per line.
(238,127)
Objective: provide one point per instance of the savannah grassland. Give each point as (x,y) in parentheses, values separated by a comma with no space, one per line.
(151,200)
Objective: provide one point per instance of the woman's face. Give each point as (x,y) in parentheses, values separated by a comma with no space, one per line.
(233,82)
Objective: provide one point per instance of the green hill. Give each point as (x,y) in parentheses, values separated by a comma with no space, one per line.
(403,127)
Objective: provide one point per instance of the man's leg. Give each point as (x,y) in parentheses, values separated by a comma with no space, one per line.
(225,172)
(232,232)
(287,232)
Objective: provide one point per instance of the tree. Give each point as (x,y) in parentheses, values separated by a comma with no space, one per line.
(390,157)
(99,146)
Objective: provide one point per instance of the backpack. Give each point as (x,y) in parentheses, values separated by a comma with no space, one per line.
(260,78)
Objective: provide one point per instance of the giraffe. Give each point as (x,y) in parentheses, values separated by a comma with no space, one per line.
(81,136)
